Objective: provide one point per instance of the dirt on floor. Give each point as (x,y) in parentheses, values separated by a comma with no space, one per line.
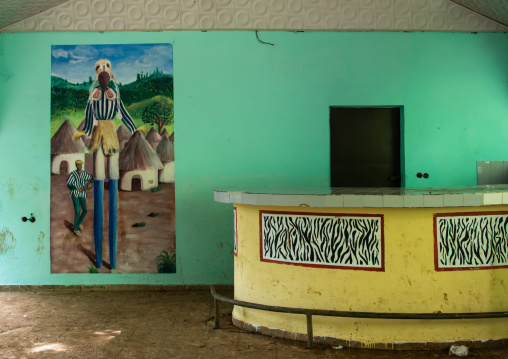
(146,325)
(137,247)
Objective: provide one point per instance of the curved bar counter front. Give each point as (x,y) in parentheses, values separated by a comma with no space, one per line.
(382,250)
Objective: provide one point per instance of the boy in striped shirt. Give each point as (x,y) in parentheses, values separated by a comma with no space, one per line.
(76,184)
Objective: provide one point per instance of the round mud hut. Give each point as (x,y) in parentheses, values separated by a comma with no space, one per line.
(64,151)
(166,152)
(139,165)
(153,138)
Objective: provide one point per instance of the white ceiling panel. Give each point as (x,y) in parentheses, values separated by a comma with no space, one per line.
(496,10)
(285,15)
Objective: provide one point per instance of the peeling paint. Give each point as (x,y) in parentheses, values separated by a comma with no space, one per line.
(7,241)
(40,243)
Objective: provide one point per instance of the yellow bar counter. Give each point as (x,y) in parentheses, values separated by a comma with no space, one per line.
(380,250)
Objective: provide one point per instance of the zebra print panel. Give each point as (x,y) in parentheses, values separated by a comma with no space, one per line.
(471,240)
(353,241)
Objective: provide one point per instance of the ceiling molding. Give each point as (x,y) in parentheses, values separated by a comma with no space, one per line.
(285,15)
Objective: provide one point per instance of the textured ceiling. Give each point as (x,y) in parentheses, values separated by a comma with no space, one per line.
(12,11)
(326,15)
(493,9)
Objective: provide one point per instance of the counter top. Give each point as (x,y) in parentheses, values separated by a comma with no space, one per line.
(395,197)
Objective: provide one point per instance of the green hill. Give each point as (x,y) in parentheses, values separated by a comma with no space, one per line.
(68,100)
(136,109)
(146,88)
(67,96)
(64,84)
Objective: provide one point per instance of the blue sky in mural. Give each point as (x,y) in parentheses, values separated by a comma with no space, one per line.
(75,63)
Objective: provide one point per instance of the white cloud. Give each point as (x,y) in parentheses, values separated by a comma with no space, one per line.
(77,63)
(82,54)
(85,51)
(78,59)
(60,53)
(155,56)
(109,51)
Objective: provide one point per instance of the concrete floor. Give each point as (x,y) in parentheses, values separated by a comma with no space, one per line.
(138,324)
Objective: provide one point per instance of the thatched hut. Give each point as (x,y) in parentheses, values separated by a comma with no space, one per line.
(64,151)
(123,135)
(85,138)
(166,152)
(172,138)
(165,133)
(139,165)
(153,138)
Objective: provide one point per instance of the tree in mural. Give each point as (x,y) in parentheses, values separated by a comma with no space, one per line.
(158,113)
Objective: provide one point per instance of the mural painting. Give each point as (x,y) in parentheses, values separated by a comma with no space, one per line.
(349,241)
(112,159)
(465,241)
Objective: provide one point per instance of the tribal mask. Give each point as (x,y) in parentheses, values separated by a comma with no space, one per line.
(103,65)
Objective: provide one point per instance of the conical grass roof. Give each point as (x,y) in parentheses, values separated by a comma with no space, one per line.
(153,136)
(165,150)
(165,133)
(62,142)
(123,133)
(138,155)
(81,126)
(172,138)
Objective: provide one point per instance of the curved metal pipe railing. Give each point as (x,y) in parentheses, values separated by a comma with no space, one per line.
(217,298)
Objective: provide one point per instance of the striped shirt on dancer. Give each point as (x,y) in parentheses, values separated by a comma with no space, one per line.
(105,105)
(77,181)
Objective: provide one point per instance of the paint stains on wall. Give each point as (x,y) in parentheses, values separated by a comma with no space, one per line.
(40,243)
(405,279)
(7,242)
(11,189)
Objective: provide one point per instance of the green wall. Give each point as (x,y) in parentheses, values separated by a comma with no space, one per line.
(247,113)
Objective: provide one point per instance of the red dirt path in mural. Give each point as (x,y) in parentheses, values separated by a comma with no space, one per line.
(137,248)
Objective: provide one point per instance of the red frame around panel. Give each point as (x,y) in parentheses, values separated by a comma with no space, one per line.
(457,214)
(380,269)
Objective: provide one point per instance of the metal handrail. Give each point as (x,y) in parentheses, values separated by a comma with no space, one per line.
(217,298)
